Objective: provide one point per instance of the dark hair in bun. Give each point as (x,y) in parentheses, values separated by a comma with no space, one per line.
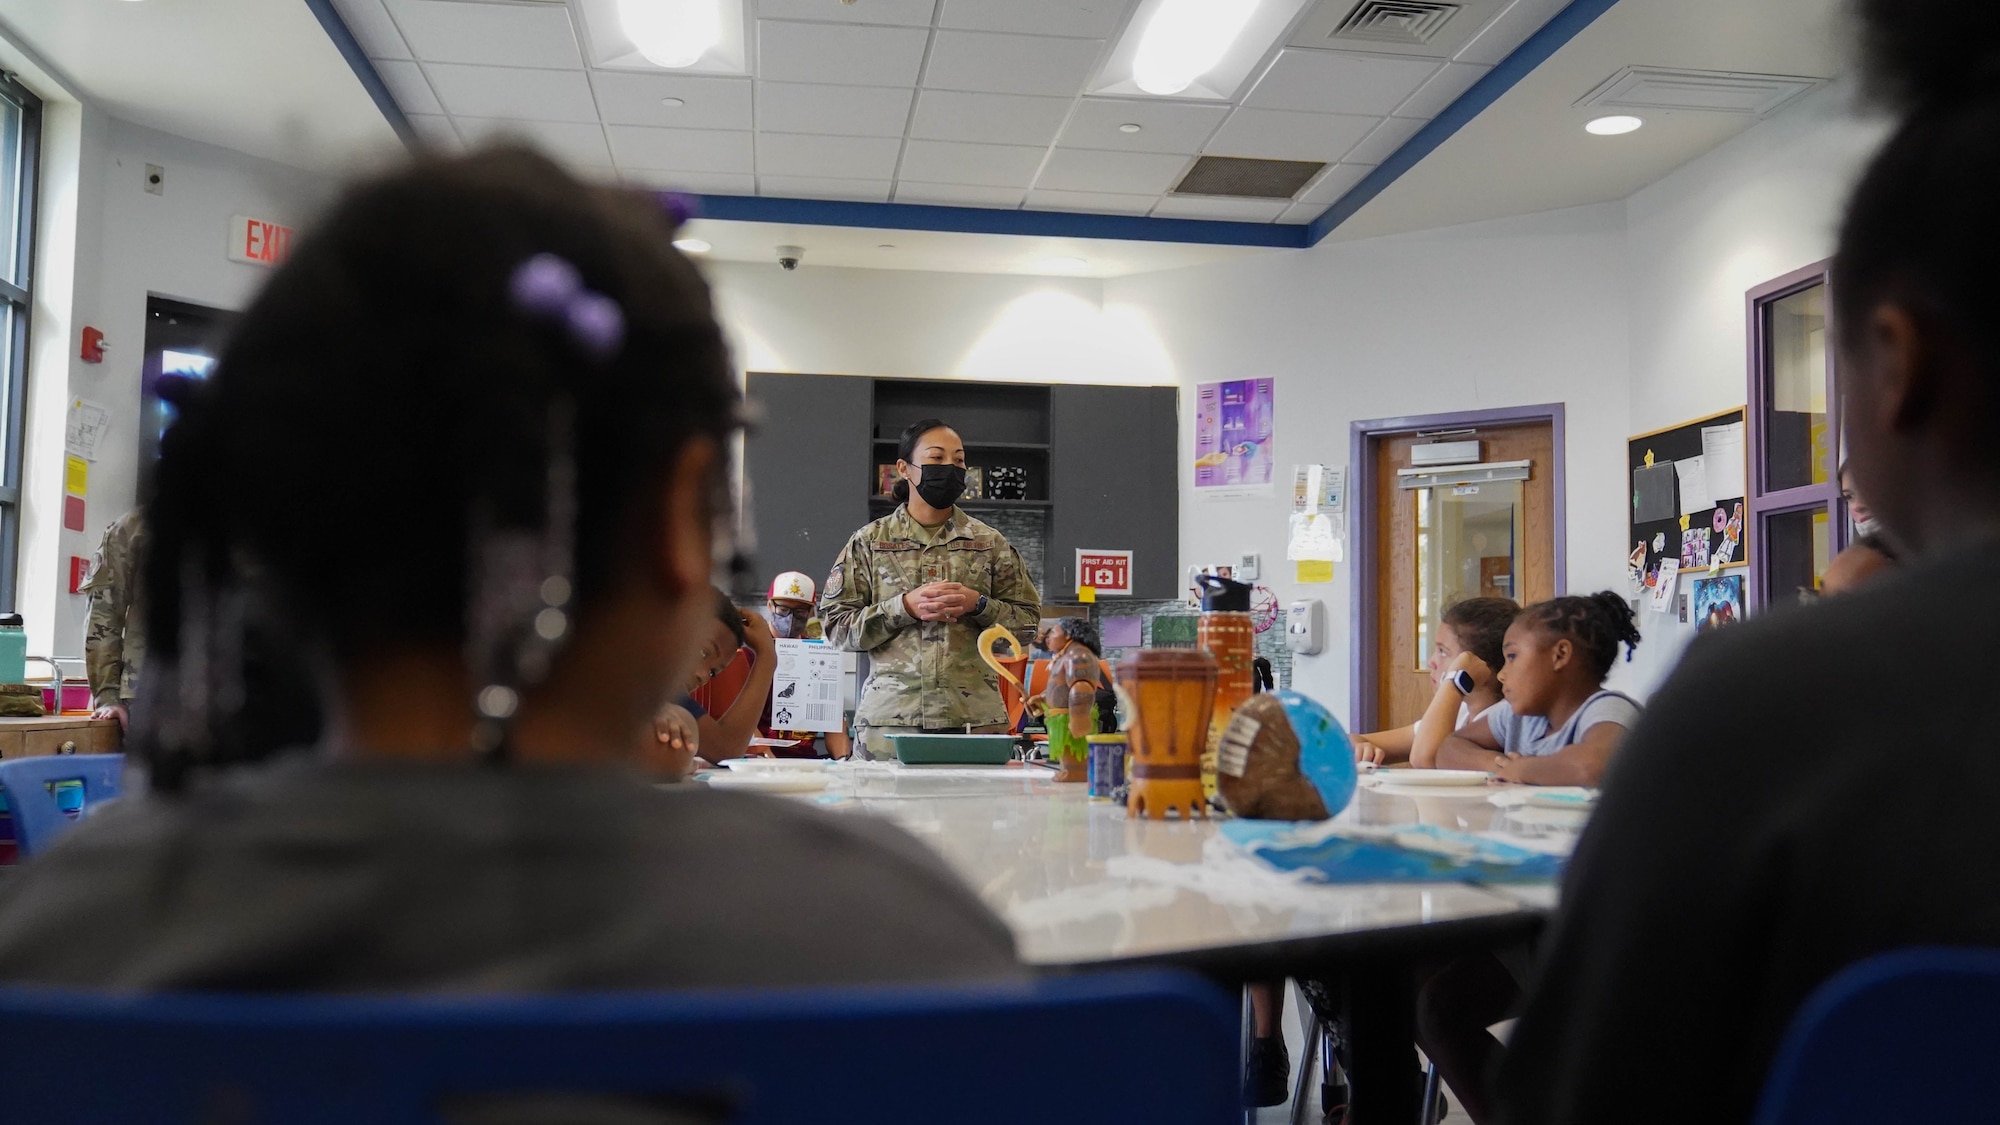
(1921,222)
(1597,625)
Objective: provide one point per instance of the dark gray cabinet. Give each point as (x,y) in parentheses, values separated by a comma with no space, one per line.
(806,461)
(1115,484)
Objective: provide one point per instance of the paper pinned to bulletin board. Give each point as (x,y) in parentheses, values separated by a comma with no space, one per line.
(1688,486)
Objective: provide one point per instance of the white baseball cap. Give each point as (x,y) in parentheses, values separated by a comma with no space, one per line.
(792,587)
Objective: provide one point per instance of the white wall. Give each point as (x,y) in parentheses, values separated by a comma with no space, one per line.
(1762,205)
(1505,313)
(129,244)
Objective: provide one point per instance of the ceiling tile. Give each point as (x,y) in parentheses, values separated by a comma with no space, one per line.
(1334,183)
(706,183)
(821,187)
(949,162)
(1302,213)
(1509,30)
(1283,134)
(490,34)
(909,13)
(1010,64)
(369,21)
(408,86)
(1385,140)
(574,144)
(1229,210)
(632,98)
(1339,82)
(513,92)
(849,111)
(1094,201)
(1088,19)
(1000,119)
(851,158)
(1164,126)
(842,56)
(1077,169)
(436,132)
(958,195)
(1443,89)
(680,150)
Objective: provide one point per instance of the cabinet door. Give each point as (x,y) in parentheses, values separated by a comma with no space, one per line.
(1114,479)
(809,469)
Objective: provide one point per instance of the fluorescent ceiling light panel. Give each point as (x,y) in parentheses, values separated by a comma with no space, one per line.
(1199,49)
(676,36)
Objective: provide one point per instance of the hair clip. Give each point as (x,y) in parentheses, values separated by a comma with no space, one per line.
(547,287)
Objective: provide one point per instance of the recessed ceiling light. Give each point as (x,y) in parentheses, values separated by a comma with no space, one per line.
(1612,126)
(1064,265)
(692,245)
(1129,127)
(1185,39)
(671,33)
(673,103)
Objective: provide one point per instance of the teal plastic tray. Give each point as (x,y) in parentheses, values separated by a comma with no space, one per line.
(954,749)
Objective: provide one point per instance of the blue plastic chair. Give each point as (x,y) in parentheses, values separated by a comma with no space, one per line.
(1904,1036)
(1154,1047)
(30,786)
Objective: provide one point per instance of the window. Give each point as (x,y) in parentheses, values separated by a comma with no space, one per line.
(1795,500)
(20,161)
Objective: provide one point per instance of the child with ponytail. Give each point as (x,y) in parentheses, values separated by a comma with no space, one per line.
(1555,723)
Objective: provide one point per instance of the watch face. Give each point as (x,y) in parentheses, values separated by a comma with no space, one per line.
(1462,680)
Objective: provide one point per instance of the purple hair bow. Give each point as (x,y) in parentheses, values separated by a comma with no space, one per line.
(549,288)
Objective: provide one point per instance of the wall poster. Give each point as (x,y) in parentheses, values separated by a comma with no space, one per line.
(1233,425)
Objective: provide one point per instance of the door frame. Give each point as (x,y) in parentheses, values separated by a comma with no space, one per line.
(1363,437)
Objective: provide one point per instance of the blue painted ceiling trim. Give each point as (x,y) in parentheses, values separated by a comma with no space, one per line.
(989,220)
(357,61)
(1529,55)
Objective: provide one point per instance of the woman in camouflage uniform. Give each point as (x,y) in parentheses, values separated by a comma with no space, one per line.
(915,589)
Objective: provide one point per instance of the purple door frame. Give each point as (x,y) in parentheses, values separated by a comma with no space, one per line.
(1763,504)
(1361,645)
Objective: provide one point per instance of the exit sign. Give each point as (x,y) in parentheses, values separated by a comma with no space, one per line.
(258,242)
(1106,572)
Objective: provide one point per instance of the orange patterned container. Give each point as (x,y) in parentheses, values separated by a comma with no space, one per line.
(1172,692)
(1231,639)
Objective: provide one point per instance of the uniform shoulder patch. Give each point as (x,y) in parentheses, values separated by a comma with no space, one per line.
(835,582)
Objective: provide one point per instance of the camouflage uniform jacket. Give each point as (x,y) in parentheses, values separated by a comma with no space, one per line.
(926,673)
(114,647)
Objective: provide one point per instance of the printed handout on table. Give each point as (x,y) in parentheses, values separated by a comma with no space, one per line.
(1722,450)
(1693,478)
(805,691)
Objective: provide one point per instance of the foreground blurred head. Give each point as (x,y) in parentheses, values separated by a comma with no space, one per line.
(469,436)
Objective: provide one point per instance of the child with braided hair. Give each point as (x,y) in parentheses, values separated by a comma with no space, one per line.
(1555,723)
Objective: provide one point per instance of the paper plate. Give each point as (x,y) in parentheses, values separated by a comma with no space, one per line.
(1432,777)
(778,765)
(784,781)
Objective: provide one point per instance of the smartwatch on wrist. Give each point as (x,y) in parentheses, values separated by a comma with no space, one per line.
(1462,680)
(980,607)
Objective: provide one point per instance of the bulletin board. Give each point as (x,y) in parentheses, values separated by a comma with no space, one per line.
(1688,486)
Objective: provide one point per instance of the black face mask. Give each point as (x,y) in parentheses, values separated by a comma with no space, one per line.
(941,485)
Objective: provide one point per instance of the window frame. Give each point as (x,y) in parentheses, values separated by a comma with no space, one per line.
(1764,503)
(20,297)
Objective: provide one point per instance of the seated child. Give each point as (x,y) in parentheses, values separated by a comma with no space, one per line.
(1556,725)
(1469,640)
(731,683)
(536,352)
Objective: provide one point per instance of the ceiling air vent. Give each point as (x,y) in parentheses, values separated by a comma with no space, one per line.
(1246,178)
(1714,91)
(1408,22)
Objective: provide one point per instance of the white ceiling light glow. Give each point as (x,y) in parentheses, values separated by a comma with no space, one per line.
(671,33)
(1185,39)
(1612,126)
(1064,265)
(692,245)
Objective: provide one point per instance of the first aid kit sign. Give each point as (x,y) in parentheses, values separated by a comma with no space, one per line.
(1106,572)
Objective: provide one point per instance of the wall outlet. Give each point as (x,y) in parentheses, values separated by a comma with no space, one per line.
(156,180)
(1246,567)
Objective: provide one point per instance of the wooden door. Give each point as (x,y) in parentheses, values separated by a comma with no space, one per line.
(1486,555)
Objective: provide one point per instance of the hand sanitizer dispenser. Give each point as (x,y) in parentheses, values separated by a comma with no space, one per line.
(1305,627)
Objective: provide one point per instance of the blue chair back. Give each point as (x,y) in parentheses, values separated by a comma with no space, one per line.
(1154,1047)
(32,787)
(1904,1036)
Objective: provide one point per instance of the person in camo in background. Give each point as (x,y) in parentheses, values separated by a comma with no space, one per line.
(789,608)
(114,647)
(915,589)
(1068,704)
